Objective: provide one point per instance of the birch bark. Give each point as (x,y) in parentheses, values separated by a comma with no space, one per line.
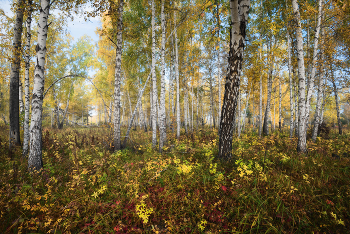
(313,65)
(154,80)
(239,115)
(239,18)
(335,90)
(162,126)
(268,100)
(290,86)
(319,93)
(118,76)
(35,161)
(26,81)
(302,146)
(177,81)
(135,110)
(279,105)
(260,97)
(20,96)
(14,138)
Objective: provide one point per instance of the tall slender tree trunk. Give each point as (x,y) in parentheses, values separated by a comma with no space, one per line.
(260,98)
(14,76)
(118,76)
(35,161)
(192,122)
(239,117)
(302,146)
(319,92)
(177,81)
(335,90)
(162,126)
(218,58)
(154,80)
(290,86)
(313,64)
(239,19)
(296,106)
(20,97)
(26,81)
(212,101)
(279,105)
(135,109)
(268,100)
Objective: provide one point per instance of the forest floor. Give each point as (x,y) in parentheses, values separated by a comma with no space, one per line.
(266,188)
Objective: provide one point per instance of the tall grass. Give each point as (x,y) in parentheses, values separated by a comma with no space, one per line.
(267,187)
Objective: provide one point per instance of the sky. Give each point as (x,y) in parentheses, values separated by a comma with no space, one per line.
(76,28)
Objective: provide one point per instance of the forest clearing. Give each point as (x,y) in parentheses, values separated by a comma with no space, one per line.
(178,116)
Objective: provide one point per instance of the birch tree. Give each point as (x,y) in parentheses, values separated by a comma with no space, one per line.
(118,76)
(14,76)
(178,123)
(35,146)
(154,81)
(268,100)
(290,86)
(26,80)
(302,146)
(239,20)
(162,126)
(319,92)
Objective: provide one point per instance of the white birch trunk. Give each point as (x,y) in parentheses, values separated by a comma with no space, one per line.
(162,126)
(35,161)
(302,146)
(26,82)
(239,115)
(280,105)
(268,99)
(118,77)
(319,93)
(154,80)
(135,110)
(335,90)
(178,124)
(20,90)
(260,98)
(192,122)
(290,87)
(313,65)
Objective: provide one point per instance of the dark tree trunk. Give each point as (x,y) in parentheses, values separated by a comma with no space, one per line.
(14,77)
(239,17)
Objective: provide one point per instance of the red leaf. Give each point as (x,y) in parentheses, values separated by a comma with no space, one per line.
(224,188)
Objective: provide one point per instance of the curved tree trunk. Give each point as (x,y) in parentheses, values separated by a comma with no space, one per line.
(239,18)
(35,146)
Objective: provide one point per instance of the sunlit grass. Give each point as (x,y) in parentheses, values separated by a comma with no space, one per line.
(266,188)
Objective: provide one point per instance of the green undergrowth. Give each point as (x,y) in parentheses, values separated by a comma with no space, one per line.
(85,187)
